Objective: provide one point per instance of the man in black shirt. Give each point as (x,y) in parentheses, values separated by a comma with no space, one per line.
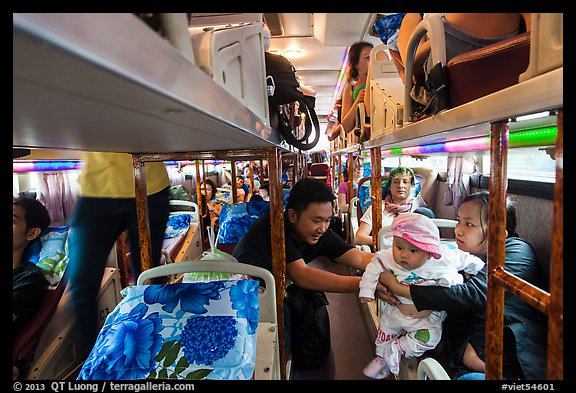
(307,216)
(306,221)
(30,218)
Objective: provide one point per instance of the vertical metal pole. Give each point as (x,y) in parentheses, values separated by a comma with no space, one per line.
(297,167)
(199,199)
(350,170)
(555,363)
(233,181)
(141,197)
(340,174)
(496,247)
(376,183)
(278,247)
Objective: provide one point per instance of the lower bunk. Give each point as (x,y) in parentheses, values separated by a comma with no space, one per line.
(218,329)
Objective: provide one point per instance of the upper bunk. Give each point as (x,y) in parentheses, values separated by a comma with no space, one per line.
(108,82)
(538,89)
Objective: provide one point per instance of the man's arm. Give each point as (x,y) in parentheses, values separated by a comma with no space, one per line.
(355,258)
(315,279)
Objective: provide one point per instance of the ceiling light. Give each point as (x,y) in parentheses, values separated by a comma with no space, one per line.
(533,116)
(292,53)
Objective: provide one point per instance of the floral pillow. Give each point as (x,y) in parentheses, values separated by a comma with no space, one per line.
(202,330)
(50,253)
(236,219)
(177,225)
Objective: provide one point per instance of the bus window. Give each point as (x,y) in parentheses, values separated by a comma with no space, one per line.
(530,163)
(433,161)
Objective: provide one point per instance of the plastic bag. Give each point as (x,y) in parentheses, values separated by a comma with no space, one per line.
(213,254)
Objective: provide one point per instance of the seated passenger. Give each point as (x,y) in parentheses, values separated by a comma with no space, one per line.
(29,219)
(399,200)
(307,217)
(241,189)
(416,242)
(354,90)
(462,349)
(464,32)
(288,177)
(213,206)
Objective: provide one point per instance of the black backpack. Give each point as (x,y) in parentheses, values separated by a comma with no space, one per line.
(309,327)
(283,93)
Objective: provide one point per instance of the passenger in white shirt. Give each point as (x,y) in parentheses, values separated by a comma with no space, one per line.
(399,200)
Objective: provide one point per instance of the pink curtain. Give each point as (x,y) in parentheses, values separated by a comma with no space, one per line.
(59,193)
(459,169)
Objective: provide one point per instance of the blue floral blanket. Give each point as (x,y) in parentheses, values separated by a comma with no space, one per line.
(201,330)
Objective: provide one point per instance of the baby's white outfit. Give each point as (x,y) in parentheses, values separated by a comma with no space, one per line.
(422,334)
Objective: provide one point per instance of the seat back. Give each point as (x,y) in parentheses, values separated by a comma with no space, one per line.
(319,170)
(26,341)
(429,368)
(266,297)
(494,67)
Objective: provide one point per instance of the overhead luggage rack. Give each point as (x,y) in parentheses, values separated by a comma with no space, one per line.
(81,81)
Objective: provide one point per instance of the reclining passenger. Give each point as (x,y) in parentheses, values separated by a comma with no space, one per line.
(29,219)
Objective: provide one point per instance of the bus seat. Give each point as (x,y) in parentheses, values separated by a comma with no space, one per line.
(446,227)
(319,170)
(27,340)
(49,252)
(194,211)
(243,312)
(494,67)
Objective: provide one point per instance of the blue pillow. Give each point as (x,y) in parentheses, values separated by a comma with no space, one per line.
(177,225)
(201,330)
(236,219)
(50,253)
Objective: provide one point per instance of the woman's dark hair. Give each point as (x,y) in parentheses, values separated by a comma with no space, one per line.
(214,188)
(481,198)
(36,215)
(354,58)
(307,191)
(345,171)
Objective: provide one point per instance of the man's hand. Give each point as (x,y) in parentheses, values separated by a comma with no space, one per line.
(383,294)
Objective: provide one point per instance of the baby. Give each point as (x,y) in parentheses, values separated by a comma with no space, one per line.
(415,259)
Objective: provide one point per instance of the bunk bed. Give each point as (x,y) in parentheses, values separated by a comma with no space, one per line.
(539,89)
(107,82)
